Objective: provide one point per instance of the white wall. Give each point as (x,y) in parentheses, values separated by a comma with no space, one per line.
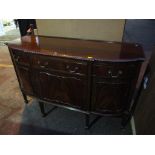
(97,29)
(1,28)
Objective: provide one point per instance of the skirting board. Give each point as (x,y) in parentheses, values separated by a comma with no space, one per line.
(133,126)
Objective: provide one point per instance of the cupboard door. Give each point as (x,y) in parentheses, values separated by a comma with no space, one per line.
(66,90)
(24,79)
(110,98)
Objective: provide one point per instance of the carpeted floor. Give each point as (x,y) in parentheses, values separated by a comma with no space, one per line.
(18,118)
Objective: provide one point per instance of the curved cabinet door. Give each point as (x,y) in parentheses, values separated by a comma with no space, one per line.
(65,90)
(110,98)
(24,79)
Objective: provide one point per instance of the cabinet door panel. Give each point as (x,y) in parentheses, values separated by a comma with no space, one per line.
(24,78)
(65,90)
(110,98)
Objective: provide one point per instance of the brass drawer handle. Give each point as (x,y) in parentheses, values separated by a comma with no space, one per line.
(42,66)
(74,71)
(67,67)
(115,76)
(45,65)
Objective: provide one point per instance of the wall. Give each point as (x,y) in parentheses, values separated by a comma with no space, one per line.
(97,29)
(1,28)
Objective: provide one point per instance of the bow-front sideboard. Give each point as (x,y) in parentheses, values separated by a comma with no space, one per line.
(89,76)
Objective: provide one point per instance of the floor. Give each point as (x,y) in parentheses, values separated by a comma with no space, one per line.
(11,33)
(18,118)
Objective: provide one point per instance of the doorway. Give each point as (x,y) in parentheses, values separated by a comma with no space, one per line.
(9,30)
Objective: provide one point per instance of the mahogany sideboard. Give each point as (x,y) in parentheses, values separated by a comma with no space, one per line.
(89,76)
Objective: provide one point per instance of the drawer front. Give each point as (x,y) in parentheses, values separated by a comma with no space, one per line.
(69,66)
(115,70)
(21,58)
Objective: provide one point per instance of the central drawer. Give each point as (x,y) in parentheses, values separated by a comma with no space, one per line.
(59,64)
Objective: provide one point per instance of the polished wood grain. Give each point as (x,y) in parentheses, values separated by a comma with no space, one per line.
(83,75)
(64,89)
(79,49)
(110,98)
(54,64)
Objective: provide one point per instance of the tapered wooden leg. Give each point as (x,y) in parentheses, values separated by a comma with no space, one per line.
(87,118)
(25,98)
(89,123)
(42,108)
(125,120)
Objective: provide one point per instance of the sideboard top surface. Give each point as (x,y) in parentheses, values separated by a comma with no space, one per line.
(78,48)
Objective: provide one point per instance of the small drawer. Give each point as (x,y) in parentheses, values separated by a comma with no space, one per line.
(21,58)
(70,66)
(115,70)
